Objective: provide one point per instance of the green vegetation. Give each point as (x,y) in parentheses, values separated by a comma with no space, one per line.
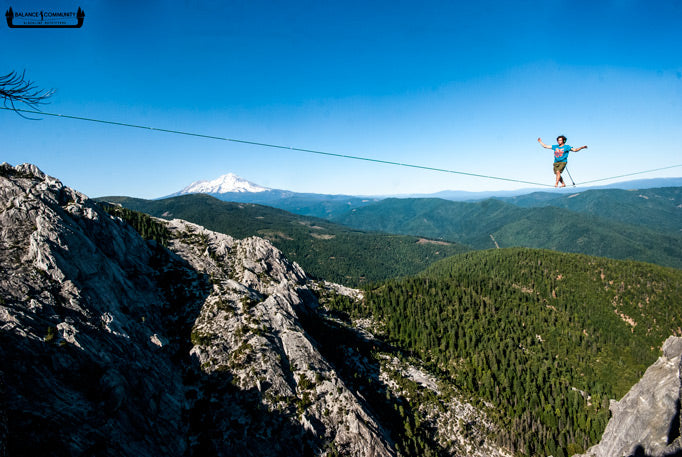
(51,335)
(304,383)
(199,338)
(547,338)
(657,209)
(632,231)
(148,228)
(323,249)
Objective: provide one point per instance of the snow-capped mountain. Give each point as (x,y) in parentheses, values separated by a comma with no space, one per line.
(225,184)
(232,188)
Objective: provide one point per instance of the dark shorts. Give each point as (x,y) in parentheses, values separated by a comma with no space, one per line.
(559,166)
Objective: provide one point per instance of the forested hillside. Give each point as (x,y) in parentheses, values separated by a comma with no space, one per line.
(545,339)
(323,249)
(313,205)
(490,223)
(659,209)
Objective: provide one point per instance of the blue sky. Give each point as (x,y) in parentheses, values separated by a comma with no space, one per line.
(465,86)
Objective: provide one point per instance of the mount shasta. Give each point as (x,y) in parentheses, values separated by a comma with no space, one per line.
(224,184)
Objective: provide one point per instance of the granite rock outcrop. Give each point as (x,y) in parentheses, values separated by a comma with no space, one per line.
(115,345)
(646,421)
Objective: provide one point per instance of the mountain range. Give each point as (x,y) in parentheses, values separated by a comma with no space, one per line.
(129,335)
(230,187)
(324,249)
(595,222)
(644,225)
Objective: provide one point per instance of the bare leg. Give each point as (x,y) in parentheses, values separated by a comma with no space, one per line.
(559,179)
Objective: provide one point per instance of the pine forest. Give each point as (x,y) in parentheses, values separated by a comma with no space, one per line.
(540,339)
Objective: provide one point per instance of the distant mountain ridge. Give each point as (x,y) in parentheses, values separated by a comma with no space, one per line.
(619,232)
(656,208)
(458,195)
(233,188)
(643,225)
(230,183)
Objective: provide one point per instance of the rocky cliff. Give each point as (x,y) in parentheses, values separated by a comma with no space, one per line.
(646,421)
(113,345)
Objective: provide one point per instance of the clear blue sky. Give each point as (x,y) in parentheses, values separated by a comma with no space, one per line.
(467,86)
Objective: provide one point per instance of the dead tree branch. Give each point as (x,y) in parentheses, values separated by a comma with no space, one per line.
(15,88)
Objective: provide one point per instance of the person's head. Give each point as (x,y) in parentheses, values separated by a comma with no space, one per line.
(561,140)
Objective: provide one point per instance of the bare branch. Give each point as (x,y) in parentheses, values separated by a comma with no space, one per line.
(15,88)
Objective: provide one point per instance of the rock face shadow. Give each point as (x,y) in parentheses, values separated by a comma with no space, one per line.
(228,421)
(122,395)
(640,452)
(674,432)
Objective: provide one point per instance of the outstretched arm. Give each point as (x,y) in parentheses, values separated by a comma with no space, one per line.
(544,145)
(578,149)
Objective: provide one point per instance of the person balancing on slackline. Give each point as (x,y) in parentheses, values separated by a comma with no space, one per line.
(561,151)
